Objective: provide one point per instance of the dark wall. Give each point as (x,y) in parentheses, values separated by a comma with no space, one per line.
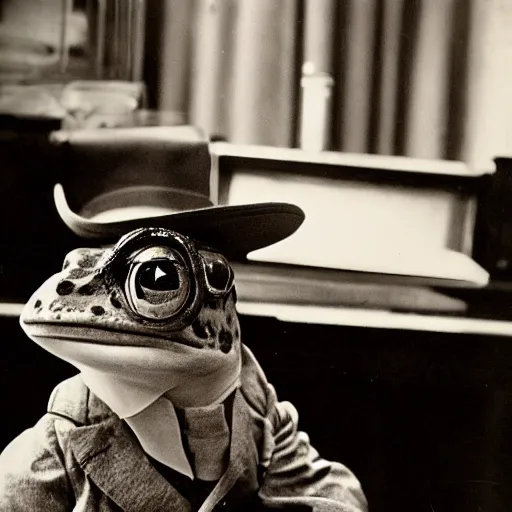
(28,375)
(33,239)
(423,419)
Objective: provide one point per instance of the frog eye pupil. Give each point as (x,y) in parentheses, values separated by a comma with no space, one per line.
(160,275)
(158,283)
(218,275)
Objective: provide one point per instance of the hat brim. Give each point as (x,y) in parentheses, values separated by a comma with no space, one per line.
(234,230)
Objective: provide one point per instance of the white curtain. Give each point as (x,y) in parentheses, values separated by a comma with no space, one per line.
(422,78)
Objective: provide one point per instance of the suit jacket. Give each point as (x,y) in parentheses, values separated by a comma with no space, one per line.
(81,457)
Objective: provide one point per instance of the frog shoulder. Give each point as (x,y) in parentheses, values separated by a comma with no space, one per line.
(70,399)
(254,385)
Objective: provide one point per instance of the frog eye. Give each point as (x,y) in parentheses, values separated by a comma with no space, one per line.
(158,283)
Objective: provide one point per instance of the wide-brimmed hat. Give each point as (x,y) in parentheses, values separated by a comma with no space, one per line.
(113,181)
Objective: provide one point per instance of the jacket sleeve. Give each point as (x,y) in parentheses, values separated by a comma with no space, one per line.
(33,474)
(298,477)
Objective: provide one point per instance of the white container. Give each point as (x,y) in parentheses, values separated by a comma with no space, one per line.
(364,213)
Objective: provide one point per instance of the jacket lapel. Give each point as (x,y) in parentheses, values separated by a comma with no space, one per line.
(111,457)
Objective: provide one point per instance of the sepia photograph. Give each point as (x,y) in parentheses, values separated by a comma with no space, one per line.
(256,255)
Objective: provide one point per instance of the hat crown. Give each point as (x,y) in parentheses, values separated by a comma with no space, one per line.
(114,181)
(130,173)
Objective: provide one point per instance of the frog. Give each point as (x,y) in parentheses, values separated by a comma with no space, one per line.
(89,295)
(170,410)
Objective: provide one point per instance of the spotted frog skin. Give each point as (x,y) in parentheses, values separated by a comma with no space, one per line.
(153,288)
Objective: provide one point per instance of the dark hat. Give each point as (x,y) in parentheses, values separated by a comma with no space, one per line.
(113,181)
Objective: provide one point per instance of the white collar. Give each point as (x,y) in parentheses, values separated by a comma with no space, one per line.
(132,381)
(158,430)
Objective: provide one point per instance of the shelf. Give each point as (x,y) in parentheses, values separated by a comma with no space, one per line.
(352,317)
(355,160)
(11,309)
(376,319)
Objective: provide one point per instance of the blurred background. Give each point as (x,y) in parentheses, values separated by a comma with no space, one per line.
(421,78)
(388,122)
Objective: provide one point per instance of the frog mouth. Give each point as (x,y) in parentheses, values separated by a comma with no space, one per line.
(105,335)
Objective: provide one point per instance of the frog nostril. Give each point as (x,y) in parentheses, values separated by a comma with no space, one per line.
(37,304)
(65,287)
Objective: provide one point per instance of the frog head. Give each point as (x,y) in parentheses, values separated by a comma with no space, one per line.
(154,288)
